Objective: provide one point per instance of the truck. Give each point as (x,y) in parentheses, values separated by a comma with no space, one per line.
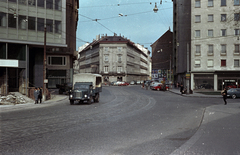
(86,87)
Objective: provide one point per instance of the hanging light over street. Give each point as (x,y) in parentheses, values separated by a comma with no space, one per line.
(155,8)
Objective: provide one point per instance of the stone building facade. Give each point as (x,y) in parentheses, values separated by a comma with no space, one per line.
(206,42)
(116,59)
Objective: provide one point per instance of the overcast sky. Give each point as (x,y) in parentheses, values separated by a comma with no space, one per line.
(137,21)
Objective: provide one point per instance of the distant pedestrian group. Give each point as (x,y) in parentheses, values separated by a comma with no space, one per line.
(38,95)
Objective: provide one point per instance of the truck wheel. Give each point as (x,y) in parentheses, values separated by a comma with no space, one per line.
(60,91)
(71,102)
(97,98)
(90,100)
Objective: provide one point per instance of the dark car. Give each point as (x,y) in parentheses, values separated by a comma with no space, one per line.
(65,87)
(233,93)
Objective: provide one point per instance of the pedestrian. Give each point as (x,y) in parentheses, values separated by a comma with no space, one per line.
(181,88)
(143,85)
(146,85)
(224,94)
(36,92)
(40,94)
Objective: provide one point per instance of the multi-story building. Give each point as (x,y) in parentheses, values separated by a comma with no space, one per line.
(116,59)
(22,25)
(210,40)
(161,57)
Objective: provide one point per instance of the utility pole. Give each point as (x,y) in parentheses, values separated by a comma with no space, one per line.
(187,77)
(170,72)
(44,67)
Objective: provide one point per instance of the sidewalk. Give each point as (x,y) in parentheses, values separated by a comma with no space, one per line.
(194,94)
(30,105)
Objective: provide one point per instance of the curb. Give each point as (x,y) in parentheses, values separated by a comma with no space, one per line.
(189,95)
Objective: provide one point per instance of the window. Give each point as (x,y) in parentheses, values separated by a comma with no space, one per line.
(56,60)
(197,63)
(40,3)
(197,33)
(236,16)
(223,49)
(210,33)
(58,5)
(198,50)
(210,49)
(40,24)
(58,26)
(236,63)
(197,19)
(236,32)
(236,2)
(49,25)
(210,3)
(119,58)
(210,63)
(12,21)
(105,69)
(223,3)
(119,49)
(31,23)
(210,18)
(12,1)
(22,22)
(223,32)
(223,17)
(32,2)
(119,69)
(106,49)
(223,63)
(49,4)
(105,57)
(237,47)
(197,3)
(3,19)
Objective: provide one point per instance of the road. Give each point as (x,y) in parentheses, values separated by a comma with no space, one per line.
(127,121)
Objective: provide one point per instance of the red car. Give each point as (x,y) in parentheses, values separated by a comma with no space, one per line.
(123,84)
(160,87)
(232,86)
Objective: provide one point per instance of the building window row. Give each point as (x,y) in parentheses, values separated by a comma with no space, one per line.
(223,17)
(210,63)
(48,4)
(210,3)
(30,23)
(223,49)
(56,60)
(210,33)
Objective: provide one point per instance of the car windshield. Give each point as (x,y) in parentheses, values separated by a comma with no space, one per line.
(81,86)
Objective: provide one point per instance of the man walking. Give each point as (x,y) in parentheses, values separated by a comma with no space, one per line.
(40,94)
(36,92)
(224,94)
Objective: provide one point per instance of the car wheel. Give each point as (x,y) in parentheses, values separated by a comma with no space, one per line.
(158,89)
(71,102)
(234,96)
(60,91)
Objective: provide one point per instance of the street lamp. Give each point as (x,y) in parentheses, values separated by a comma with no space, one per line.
(155,8)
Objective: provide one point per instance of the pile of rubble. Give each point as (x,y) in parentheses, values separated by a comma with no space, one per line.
(14,98)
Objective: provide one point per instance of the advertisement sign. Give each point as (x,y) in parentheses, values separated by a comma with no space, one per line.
(154,76)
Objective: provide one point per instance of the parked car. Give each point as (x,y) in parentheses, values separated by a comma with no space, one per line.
(65,87)
(154,83)
(160,86)
(123,84)
(231,86)
(138,82)
(233,92)
(133,82)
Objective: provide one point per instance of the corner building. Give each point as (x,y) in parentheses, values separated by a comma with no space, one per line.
(214,47)
(116,59)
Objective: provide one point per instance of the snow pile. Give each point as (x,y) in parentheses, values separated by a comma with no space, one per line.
(13,98)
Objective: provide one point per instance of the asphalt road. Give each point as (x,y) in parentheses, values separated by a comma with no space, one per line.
(127,121)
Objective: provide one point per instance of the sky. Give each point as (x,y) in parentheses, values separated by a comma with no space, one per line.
(137,20)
